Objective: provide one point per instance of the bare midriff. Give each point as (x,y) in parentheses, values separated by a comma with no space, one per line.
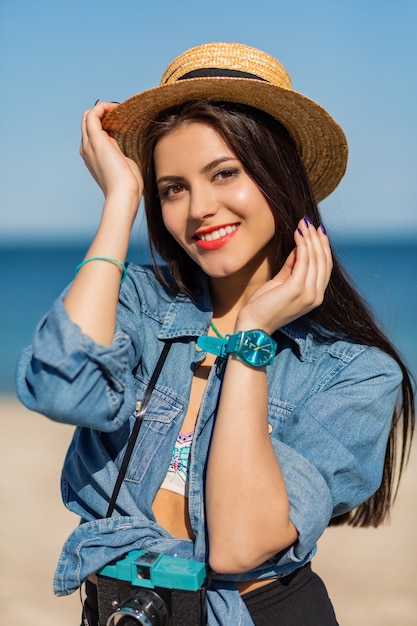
(171,512)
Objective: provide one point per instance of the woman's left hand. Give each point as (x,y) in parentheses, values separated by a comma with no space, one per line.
(298,287)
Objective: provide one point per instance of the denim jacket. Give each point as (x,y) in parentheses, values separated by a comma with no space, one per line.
(330,408)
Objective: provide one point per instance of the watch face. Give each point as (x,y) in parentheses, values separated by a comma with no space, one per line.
(257,348)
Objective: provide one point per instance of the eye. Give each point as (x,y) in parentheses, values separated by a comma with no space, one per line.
(171,190)
(225,174)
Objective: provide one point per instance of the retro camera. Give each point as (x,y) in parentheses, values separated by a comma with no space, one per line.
(152,589)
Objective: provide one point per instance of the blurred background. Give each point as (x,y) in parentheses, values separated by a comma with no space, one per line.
(357,59)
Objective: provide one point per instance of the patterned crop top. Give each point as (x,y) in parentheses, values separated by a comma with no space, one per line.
(176,479)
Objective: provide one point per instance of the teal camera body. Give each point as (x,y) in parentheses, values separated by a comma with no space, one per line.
(152,588)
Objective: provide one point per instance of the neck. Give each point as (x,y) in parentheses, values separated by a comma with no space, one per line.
(227,305)
(227,300)
(230,293)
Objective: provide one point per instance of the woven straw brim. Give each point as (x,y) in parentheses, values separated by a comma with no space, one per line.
(319,139)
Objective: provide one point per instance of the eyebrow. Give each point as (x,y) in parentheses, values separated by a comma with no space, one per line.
(204,170)
(210,166)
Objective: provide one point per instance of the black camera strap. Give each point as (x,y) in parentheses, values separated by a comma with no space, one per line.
(136,427)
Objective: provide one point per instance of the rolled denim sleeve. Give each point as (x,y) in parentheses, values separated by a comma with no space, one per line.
(69,378)
(332,449)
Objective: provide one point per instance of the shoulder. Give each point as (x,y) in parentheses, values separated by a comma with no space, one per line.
(143,289)
(325,357)
(143,276)
(368,360)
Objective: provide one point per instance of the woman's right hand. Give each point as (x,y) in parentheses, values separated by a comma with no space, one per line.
(92,299)
(110,168)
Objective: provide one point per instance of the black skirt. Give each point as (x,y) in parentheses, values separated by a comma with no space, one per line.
(299,599)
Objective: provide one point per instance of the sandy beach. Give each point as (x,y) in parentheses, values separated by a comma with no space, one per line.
(371,574)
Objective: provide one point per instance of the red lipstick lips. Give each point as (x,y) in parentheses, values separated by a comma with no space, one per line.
(216,237)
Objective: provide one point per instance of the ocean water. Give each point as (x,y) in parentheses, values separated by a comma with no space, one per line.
(32,276)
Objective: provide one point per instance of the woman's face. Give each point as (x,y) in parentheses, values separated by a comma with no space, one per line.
(210,205)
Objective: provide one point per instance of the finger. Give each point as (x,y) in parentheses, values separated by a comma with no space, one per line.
(85,123)
(286,269)
(94,116)
(84,133)
(326,245)
(93,134)
(316,262)
(327,249)
(324,262)
(320,263)
(101,107)
(304,265)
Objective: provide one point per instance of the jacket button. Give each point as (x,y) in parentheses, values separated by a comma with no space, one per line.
(270,428)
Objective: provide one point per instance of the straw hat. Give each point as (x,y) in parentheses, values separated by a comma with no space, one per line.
(232,72)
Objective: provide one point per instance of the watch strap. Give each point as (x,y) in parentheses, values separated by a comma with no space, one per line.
(214,345)
(233,343)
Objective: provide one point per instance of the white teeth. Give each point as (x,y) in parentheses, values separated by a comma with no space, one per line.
(216,234)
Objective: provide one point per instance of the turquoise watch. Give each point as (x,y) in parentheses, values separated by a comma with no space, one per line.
(254,347)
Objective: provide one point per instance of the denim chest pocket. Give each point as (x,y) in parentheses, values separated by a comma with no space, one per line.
(279,415)
(158,427)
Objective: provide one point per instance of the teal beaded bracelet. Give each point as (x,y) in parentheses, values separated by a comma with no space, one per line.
(104,258)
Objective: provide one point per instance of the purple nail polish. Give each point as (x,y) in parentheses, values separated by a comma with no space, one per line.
(307,220)
(300,232)
(323,230)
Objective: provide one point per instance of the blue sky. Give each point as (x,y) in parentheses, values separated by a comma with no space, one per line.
(357,58)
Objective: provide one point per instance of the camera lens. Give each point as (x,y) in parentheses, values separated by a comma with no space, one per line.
(143,607)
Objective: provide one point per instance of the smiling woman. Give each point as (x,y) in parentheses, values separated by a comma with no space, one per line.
(216,208)
(274,360)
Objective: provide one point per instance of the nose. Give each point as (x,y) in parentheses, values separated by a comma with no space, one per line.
(203,204)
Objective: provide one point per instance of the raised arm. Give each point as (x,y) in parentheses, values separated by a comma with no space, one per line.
(247,503)
(92,299)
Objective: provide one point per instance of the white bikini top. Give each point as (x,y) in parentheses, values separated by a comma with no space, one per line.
(176,479)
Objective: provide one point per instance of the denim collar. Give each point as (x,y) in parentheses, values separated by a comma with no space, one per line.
(178,324)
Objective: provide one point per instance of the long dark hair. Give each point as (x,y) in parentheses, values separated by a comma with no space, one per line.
(269,156)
